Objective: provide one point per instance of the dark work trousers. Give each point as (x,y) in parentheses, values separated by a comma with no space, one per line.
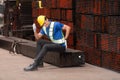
(43,46)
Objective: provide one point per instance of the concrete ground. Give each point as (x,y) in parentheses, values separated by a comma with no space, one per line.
(11,68)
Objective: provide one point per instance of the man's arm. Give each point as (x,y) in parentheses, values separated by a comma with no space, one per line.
(67,30)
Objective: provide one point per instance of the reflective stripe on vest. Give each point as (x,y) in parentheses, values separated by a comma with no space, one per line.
(59,41)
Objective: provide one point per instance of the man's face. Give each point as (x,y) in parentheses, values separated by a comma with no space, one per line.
(46,23)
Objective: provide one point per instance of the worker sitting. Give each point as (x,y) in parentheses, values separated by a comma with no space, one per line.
(54,31)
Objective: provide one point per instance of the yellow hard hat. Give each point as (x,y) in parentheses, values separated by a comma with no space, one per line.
(41,19)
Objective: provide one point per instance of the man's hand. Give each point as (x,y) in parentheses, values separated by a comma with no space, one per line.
(34,27)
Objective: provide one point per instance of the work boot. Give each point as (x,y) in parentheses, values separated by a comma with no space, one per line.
(31,67)
(40,64)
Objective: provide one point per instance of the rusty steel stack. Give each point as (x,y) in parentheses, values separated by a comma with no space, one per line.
(95,27)
(18,18)
(98,31)
(25,19)
(9,17)
(25,12)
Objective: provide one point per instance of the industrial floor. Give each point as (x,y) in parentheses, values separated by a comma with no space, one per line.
(11,68)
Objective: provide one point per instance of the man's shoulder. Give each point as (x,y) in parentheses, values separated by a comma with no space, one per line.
(56,22)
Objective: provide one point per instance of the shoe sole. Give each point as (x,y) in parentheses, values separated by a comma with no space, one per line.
(31,70)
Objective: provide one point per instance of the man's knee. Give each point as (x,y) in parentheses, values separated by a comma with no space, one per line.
(46,46)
